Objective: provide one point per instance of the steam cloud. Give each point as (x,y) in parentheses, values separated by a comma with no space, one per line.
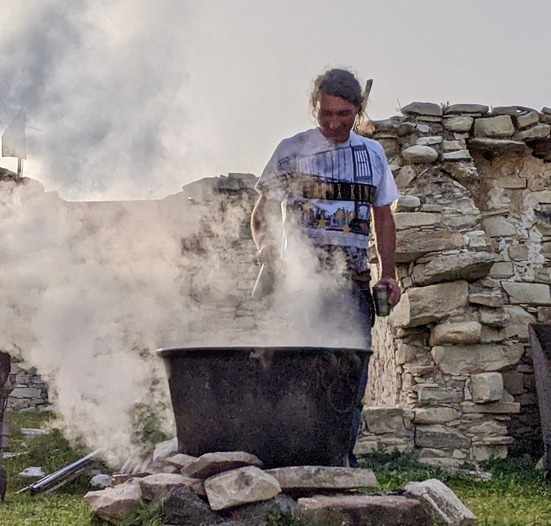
(104,87)
(90,290)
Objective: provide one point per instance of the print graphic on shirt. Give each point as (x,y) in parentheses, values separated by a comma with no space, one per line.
(331,190)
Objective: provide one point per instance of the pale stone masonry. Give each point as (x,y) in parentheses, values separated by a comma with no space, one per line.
(451,376)
(475,266)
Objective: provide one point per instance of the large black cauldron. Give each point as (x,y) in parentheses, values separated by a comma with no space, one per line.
(287,405)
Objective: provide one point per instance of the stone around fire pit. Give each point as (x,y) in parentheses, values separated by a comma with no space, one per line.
(114,504)
(180,460)
(315,478)
(212,463)
(159,485)
(367,510)
(182,506)
(442,501)
(240,486)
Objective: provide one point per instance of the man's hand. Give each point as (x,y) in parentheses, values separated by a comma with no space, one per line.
(394,291)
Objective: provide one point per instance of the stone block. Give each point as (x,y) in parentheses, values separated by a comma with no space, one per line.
(411,245)
(380,420)
(493,317)
(491,408)
(407,203)
(322,478)
(500,126)
(405,176)
(467,108)
(212,463)
(518,321)
(405,220)
(525,120)
(486,387)
(115,504)
(497,146)
(451,267)
(367,510)
(435,415)
(456,333)
(502,269)
(420,154)
(422,108)
(540,131)
(513,381)
(422,305)
(183,506)
(470,359)
(428,394)
(498,226)
(531,293)
(459,155)
(459,124)
(446,507)
(159,485)
(440,437)
(430,141)
(240,486)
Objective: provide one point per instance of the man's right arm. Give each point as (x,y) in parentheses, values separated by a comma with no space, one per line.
(266,223)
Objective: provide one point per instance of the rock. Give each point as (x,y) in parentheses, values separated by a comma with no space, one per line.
(546,110)
(440,437)
(420,154)
(435,415)
(540,131)
(180,460)
(256,514)
(533,293)
(466,108)
(405,220)
(459,155)
(456,333)
(380,420)
(469,266)
(487,298)
(405,176)
(430,141)
(240,486)
(34,472)
(458,124)
(486,387)
(502,269)
(497,146)
(525,120)
(212,463)
(422,305)
(442,501)
(101,481)
(411,245)
(114,504)
(498,226)
(452,146)
(494,127)
(165,449)
(422,108)
(491,408)
(159,485)
(367,510)
(470,359)
(430,394)
(314,478)
(183,507)
(407,203)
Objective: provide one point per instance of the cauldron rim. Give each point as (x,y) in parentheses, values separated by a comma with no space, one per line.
(169,352)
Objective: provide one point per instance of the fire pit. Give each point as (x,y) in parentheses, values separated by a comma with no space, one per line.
(287,405)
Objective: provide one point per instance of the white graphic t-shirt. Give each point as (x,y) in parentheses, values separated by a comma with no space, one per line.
(329,189)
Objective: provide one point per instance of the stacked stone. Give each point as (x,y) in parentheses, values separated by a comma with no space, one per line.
(30,392)
(473,225)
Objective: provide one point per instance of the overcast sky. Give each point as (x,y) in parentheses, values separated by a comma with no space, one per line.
(132,98)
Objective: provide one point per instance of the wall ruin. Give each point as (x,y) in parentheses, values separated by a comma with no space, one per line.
(451,376)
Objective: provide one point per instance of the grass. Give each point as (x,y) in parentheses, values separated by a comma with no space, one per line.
(517,495)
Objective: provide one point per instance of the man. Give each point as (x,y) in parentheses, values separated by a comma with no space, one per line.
(329,182)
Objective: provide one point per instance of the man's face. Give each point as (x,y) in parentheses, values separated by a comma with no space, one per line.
(336,117)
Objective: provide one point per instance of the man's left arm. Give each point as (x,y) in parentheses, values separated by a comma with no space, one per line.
(385,233)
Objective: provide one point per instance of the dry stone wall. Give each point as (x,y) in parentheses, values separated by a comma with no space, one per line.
(474,238)
(451,376)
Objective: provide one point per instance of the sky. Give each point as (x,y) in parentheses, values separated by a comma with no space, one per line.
(131,99)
